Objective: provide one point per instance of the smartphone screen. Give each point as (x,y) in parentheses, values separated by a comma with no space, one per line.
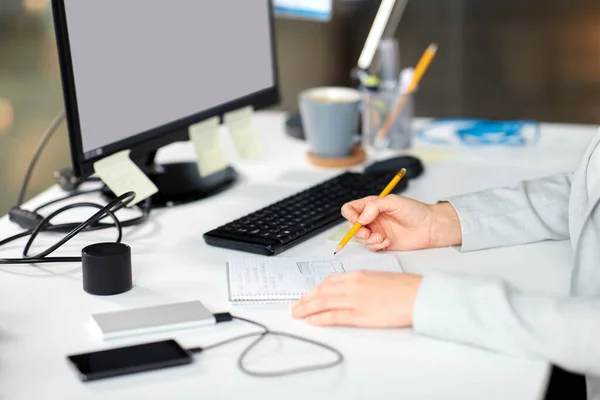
(130,359)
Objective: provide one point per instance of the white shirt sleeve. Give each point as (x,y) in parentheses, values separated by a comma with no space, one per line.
(532,211)
(493,315)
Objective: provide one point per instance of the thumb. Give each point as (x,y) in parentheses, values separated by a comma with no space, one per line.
(376,206)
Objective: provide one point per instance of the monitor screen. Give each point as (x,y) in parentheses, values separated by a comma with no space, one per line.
(139,65)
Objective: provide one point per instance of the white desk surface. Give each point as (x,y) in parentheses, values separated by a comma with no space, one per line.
(44,313)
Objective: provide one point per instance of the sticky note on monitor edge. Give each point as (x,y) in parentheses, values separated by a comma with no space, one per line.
(206,138)
(121,175)
(241,128)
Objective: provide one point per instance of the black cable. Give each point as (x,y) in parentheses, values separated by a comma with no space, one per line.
(74,232)
(68,227)
(69,196)
(36,155)
(14,237)
(42,257)
(109,209)
(261,336)
(61,228)
(46,260)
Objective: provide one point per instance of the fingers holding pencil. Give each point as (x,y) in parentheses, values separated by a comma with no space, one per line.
(368,214)
(369,210)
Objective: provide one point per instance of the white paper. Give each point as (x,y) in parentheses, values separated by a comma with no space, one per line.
(273,279)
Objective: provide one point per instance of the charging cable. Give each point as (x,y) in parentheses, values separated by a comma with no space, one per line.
(223,317)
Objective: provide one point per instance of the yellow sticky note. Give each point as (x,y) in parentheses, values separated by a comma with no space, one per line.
(121,175)
(209,147)
(339,234)
(430,155)
(241,127)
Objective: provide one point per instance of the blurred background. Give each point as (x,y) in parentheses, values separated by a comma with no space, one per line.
(501,59)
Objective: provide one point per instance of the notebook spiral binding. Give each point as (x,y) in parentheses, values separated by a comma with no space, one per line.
(258,301)
(266,298)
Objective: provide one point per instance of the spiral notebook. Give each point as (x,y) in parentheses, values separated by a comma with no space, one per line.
(257,280)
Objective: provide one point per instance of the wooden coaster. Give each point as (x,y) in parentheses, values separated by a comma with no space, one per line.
(357,157)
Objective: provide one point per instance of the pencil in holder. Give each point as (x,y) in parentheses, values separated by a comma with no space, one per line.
(375,108)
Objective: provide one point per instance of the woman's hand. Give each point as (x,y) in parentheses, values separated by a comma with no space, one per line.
(377,299)
(368,299)
(400,223)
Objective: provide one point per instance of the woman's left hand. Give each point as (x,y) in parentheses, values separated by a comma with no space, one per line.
(370,299)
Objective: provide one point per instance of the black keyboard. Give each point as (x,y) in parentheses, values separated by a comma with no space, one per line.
(279,226)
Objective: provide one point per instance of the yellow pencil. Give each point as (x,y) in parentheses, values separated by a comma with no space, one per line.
(390,186)
(420,69)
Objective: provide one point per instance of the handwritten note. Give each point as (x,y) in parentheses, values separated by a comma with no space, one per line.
(241,127)
(121,175)
(264,279)
(206,138)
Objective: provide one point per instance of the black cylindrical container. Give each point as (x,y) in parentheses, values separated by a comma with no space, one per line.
(107,268)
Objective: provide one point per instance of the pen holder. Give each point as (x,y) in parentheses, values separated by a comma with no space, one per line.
(376,107)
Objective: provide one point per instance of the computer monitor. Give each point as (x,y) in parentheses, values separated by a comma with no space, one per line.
(137,73)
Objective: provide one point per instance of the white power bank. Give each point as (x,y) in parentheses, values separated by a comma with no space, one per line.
(185,315)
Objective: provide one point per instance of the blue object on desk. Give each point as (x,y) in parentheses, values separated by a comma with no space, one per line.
(482,132)
(318,10)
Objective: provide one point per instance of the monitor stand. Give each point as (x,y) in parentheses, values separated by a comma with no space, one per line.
(180,183)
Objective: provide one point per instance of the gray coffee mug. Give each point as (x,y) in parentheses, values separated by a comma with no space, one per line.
(330,117)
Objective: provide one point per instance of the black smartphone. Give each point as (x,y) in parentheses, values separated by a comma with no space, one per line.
(130,360)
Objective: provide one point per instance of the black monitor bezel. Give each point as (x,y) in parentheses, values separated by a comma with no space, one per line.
(143,143)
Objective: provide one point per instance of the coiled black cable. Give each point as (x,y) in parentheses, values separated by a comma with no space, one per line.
(72,229)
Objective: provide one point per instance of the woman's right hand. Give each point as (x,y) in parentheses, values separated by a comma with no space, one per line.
(399,223)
